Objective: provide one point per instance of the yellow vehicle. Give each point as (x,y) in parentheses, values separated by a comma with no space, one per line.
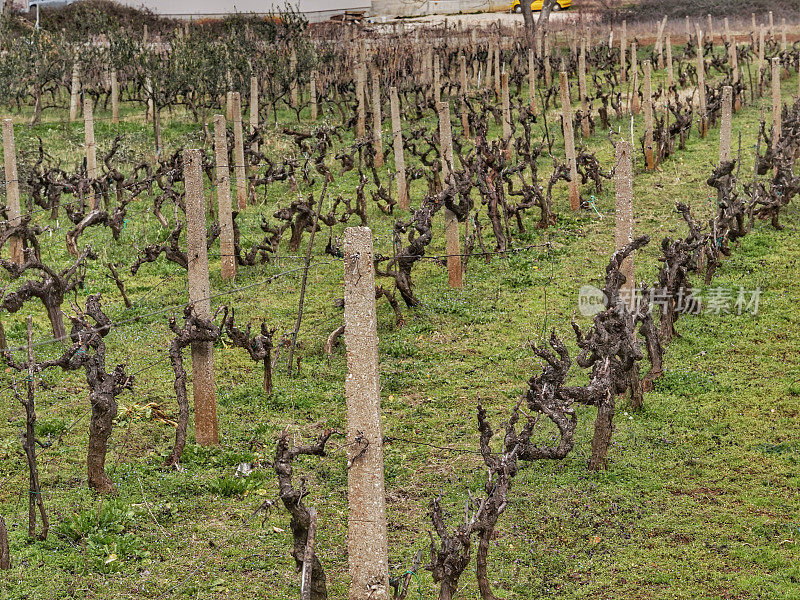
(536,5)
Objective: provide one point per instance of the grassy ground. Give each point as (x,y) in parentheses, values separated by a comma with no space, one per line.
(699,501)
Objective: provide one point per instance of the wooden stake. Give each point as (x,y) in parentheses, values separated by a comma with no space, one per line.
(12,190)
(367,545)
(205,400)
(569,144)
(224,209)
(397,145)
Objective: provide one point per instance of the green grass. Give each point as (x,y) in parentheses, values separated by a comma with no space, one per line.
(699,501)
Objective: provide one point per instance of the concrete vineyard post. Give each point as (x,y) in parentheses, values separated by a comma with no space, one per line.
(12,189)
(114,97)
(582,89)
(776,101)
(367,540)
(659,42)
(701,88)
(224,209)
(725,125)
(293,82)
(361,98)
(760,62)
(569,144)
(548,70)
(238,152)
(649,153)
(437,79)
(254,109)
(532,77)
(635,105)
(75,91)
(312,85)
(205,400)
(623,207)
(397,146)
(506,106)
(623,48)
(377,118)
(91,152)
(462,76)
(670,69)
(452,241)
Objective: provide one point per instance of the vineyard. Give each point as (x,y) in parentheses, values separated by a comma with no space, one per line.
(521,302)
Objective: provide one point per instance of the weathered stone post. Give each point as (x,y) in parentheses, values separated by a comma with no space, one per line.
(205,400)
(725,125)
(452,241)
(224,209)
(12,189)
(238,152)
(623,206)
(569,144)
(367,545)
(397,146)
